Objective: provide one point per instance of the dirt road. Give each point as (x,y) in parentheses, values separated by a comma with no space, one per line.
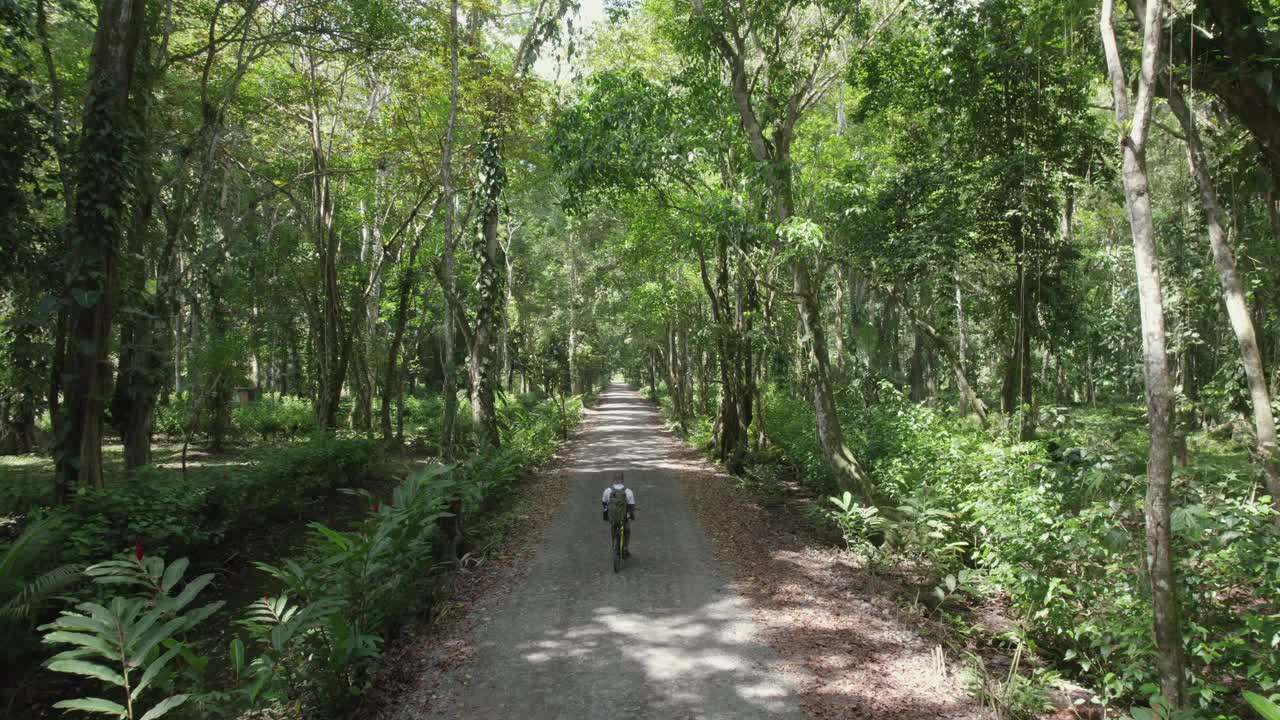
(665,638)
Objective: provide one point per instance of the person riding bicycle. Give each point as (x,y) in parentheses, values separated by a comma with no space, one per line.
(619,493)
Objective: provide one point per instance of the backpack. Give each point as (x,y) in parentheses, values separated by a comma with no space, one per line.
(617,505)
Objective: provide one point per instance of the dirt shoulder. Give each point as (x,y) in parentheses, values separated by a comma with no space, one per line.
(841,638)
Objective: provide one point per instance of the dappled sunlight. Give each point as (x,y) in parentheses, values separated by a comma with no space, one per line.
(690,660)
(665,638)
(624,433)
(669,636)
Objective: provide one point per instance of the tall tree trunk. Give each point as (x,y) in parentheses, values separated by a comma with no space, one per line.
(962,350)
(391,376)
(334,339)
(449,389)
(101,179)
(138,378)
(745,305)
(675,378)
(1233,297)
(1167,625)
(488,249)
(1019,388)
(574,293)
(842,292)
(1270,341)
(844,466)
(653,376)
(140,373)
(726,428)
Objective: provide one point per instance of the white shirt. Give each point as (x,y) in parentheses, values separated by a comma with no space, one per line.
(631,498)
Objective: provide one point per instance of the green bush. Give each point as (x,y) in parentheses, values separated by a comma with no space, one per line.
(181,518)
(129,642)
(1058,534)
(178,419)
(314,644)
(274,416)
(319,638)
(534,429)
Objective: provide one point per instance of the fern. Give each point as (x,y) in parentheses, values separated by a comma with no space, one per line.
(21,599)
(23,606)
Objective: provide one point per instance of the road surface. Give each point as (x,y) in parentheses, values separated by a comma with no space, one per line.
(665,638)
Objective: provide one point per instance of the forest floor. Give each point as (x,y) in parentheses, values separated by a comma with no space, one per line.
(721,612)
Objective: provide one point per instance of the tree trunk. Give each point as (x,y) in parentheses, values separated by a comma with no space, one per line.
(484,335)
(333,338)
(844,466)
(1159,560)
(141,362)
(1233,297)
(101,180)
(745,304)
(842,283)
(391,376)
(675,378)
(450,329)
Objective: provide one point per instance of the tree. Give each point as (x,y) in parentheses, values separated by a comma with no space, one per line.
(102,174)
(776,60)
(1233,296)
(1133,120)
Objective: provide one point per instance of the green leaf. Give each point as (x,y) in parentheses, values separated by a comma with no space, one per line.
(88,669)
(165,706)
(1264,707)
(333,536)
(173,574)
(189,592)
(139,648)
(94,705)
(85,298)
(153,670)
(92,642)
(237,656)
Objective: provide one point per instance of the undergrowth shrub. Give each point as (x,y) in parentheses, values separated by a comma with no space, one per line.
(177,419)
(29,581)
(130,642)
(181,518)
(318,639)
(1055,530)
(313,645)
(534,429)
(274,416)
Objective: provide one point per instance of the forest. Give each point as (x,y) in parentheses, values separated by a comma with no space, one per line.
(296,297)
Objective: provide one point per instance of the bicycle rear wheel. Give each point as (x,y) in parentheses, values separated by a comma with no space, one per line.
(617,548)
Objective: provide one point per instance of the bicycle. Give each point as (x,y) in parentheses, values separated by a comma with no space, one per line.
(619,541)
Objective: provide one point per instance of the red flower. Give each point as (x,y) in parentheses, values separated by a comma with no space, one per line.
(376,507)
(137,548)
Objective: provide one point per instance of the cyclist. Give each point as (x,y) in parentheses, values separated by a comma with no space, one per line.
(609,493)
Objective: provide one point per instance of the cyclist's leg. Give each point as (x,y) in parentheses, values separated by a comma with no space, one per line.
(626,538)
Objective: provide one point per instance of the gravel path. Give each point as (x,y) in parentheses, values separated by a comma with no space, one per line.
(665,638)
